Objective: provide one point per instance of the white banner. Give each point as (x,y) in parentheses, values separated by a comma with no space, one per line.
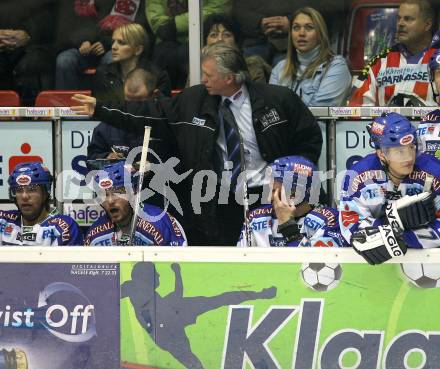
(23,142)
(352,143)
(84,214)
(7,206)
(76,135)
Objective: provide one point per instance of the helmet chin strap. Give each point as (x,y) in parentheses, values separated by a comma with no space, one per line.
(434,94)
(388,171)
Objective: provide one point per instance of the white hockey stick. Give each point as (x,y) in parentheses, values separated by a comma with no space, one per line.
(142,169)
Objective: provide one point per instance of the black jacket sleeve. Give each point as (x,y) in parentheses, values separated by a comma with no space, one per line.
(129,122)
(98,147)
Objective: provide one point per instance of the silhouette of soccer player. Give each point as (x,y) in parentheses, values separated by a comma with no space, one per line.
(165,318)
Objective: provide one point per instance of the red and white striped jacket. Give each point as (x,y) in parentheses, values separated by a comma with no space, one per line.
(392,73)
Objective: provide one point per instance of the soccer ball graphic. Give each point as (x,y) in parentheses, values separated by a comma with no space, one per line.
(422,275)
(320,276)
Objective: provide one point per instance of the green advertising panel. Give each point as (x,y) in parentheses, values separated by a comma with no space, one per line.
(279,315)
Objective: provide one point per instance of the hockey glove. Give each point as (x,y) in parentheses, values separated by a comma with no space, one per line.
(378,244)
(411,212)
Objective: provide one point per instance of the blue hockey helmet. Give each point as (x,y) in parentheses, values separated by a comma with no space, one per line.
(296,169)
(391,130)
(27,174)
(434,62)
(116,176)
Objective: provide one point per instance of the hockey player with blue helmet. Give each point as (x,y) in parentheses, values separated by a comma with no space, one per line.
(428,132)
(293,220)
(35,223)
(391,198)
(434,73)
(117,184)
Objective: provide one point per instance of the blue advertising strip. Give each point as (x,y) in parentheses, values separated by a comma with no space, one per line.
(55,316)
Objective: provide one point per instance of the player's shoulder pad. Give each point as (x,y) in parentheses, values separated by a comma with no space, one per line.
(152,210)
(431,165)
(60,218)
(364,72)
(100,226)
(327,214)
(10,215)
(64,223)
(177,227)
(260,212)
(368,170)
(153,229)
(370,161)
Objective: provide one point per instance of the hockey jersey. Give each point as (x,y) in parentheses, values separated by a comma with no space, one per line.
(394,72)
(367,189)
(319,228)
(429,137)
(165,230)
(55,230)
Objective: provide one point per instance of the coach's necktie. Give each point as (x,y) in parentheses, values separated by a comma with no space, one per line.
(232,140)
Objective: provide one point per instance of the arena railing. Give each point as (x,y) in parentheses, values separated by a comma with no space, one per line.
(76,254)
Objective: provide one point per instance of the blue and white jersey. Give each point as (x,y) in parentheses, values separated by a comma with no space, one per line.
(166,231)
(367,189)
(55,230)
(318,228)
(429,137)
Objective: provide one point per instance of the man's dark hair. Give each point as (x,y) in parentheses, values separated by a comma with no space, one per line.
(229,23)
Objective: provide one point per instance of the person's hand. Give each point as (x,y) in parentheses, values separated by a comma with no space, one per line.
(275,25)
(6,39)
(412,212)
(378,244)
(97,49)
(115,155)
(265,26)
(85,48)
(11,39)
(21,38)
(87,104)
(283,209)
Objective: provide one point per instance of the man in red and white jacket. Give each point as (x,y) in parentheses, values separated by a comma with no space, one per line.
(400,76)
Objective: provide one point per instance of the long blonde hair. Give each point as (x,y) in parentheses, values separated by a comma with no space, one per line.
(325,52)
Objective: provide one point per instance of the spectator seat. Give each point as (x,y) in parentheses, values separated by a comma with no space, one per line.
(9,98)
(52,98)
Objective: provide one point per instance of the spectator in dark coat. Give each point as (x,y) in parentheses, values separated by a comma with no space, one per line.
(26,31)
(222,28)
